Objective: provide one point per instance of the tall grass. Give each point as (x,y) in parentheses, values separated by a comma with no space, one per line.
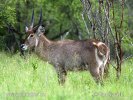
(32,78)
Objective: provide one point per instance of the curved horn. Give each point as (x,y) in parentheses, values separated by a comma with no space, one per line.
(40,17)
(32,19)
(26,26)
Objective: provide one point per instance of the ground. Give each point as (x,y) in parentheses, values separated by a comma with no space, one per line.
(32,78)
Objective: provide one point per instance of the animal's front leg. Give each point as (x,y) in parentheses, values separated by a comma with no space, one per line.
(61,75)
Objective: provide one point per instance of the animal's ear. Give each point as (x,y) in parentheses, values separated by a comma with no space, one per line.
(26,29)
(40,30)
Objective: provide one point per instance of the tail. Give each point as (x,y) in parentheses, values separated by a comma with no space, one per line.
(103,50)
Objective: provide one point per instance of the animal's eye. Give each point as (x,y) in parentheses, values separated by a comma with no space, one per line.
(31,35)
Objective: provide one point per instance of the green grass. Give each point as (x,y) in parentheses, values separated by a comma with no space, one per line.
(32,78)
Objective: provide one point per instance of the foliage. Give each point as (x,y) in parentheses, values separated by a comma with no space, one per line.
(7,15)
(19,80)
(58,15)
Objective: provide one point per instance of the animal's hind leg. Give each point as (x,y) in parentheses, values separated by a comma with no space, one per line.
(95,73)
(101,73)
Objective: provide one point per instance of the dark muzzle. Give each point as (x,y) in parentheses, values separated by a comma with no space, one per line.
(23,47)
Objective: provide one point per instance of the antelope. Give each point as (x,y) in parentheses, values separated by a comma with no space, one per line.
(68,55)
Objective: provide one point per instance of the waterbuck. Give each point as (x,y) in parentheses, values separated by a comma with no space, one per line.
(68,55)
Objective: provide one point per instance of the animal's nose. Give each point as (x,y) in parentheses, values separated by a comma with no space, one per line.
(23,47)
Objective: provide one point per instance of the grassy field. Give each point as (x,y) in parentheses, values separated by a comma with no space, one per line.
(31,78)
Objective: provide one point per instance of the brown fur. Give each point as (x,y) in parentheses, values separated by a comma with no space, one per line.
(70,55)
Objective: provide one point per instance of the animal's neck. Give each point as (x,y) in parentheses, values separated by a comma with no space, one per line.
(42,48)
(43,39)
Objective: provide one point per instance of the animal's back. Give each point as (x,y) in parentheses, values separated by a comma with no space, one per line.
(73,55)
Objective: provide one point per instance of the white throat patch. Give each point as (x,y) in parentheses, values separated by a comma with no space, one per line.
(36,42)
